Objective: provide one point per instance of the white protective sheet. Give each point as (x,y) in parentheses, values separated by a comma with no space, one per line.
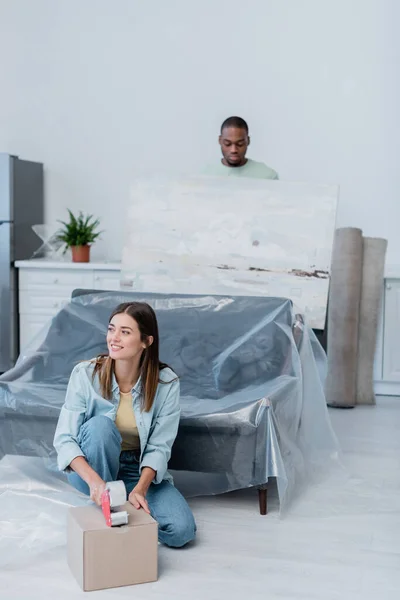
(339,542)
(252,404)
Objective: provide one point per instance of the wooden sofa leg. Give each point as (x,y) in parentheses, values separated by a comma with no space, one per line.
(262,497)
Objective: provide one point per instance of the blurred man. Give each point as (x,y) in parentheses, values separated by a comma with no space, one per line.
(234,141)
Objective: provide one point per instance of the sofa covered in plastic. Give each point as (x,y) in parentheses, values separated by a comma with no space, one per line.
(251,373)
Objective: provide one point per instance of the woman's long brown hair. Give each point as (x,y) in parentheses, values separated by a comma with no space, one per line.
(149,365)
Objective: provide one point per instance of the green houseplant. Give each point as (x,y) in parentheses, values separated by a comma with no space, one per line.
(78,234)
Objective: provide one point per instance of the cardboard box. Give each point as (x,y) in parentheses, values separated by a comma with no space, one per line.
(104,557)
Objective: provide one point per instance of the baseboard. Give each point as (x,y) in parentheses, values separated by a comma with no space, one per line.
(387,388)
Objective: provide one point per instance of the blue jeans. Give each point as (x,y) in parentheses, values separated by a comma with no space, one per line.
(100,441)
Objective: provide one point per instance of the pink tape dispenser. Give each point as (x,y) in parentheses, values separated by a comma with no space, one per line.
(113,497)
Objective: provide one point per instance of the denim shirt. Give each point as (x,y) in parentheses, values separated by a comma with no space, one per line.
(157,428)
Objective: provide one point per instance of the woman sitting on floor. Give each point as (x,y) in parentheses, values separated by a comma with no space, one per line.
(120,419)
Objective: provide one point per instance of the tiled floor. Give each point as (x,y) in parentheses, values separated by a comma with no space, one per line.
(340,541)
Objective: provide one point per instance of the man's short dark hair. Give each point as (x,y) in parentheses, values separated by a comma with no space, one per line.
(235,122)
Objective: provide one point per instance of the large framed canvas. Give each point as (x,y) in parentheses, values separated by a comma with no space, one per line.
(232,236)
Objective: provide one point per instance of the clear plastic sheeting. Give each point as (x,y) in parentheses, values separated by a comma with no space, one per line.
(252,400)
(33,503)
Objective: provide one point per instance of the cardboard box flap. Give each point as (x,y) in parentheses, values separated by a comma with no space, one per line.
(90,518)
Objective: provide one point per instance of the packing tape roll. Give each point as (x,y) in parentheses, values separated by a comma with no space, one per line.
(117,493)
(119,518)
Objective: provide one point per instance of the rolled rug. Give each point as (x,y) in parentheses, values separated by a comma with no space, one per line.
(343,317)
(371,296)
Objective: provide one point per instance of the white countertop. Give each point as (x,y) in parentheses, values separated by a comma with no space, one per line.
(65,264)
(392,272)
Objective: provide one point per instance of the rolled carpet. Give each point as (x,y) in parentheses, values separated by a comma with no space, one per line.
(343,317)
(374,254)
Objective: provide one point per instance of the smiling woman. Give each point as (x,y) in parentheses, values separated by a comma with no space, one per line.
(120,419)
(133,351)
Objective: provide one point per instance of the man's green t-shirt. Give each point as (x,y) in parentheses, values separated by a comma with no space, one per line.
(254,169)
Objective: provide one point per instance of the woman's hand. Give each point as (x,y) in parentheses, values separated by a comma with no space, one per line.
(138,500)
(96,488)
(94,481)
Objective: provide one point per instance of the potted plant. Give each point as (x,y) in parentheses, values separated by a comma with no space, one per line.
(78,234)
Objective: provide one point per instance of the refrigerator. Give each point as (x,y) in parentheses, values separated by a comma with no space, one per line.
(21,206)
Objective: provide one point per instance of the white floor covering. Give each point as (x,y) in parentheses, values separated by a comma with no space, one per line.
(340,540)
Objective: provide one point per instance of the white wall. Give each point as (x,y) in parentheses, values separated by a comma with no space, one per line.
(103,90)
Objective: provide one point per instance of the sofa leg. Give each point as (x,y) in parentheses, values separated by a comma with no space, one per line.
(262,497)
